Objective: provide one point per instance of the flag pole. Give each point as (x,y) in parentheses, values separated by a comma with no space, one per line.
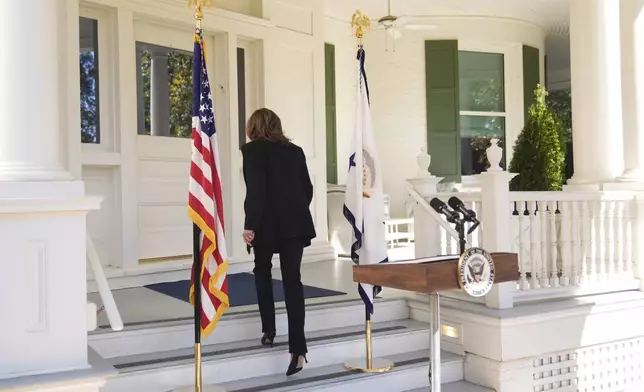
(360,24)
(196,259)
(196,251)
(196,254)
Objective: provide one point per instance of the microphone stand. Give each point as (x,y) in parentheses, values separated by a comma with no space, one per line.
(434,311)
(460,228)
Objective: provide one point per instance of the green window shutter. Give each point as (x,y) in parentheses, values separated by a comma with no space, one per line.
(330,106)
(531,76)
(443,129)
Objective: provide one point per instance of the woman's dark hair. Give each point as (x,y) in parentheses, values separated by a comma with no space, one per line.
(264,124)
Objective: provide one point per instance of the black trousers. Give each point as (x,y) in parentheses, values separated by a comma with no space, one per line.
(290,262)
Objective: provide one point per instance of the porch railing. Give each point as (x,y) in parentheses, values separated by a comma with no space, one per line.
(568,243)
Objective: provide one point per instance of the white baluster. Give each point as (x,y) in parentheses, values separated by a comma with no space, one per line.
(543,222)
(470,237)
(474,237)
(612,229)
(515,231)
(524,245)
(535,246)
(444,241)
(554,242)
(594,224)
(565,229)
(564,242)
(452,245)
(620,222)
(587,232)
(630,246)
(602,240)
(575,234)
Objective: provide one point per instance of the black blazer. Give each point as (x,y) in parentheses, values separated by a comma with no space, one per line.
(278,193)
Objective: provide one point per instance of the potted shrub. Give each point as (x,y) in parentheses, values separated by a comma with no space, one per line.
(539,152)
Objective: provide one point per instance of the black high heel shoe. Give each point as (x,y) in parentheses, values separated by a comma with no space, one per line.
(268,338)
(296,365)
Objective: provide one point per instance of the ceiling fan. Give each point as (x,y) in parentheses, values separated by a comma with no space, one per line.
(392,25)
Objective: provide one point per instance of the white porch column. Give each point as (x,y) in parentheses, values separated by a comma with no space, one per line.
(632,39)
(596,92)
(29,137)
(160,95)
(42,212)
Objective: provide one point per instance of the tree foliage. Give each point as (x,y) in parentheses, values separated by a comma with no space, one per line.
(180,84)
(560,102)
(89,97)
(539,151)
(180,74)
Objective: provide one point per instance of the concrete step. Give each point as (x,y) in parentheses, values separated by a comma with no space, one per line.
(410,371)
(228,362)
(458,386)
(178,333)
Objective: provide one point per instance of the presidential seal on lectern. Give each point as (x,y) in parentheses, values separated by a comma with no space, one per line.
(476,272)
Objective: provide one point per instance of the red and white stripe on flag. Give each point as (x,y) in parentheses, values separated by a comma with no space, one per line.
(206,211)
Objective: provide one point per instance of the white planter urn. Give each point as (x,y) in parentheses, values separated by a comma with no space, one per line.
(494,156)
(423,160)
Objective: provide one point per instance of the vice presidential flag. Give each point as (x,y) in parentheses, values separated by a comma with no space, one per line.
(205,202)
(363,204)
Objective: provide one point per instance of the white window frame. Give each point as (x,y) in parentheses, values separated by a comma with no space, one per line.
(512,91)
(176,38)
(106,83)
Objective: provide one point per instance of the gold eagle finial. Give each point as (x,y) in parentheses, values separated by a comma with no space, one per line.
(200,5)
(360,23)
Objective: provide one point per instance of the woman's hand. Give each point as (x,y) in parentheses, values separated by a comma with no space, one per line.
(249,236)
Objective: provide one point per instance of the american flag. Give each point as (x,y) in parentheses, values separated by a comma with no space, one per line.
(205,204)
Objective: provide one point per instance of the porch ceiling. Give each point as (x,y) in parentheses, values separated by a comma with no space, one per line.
(552,15)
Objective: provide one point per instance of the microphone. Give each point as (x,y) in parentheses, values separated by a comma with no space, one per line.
(457,205)
(442,208)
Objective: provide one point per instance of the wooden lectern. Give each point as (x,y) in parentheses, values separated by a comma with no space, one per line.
(432,276)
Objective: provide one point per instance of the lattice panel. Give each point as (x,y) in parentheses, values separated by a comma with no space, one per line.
(613,367)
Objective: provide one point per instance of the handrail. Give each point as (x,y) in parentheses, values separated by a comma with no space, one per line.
(103,287)
(421,200)
(521,196)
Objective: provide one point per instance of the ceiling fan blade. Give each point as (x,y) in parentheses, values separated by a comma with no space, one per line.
(402,21)
(420,27)
(394,33)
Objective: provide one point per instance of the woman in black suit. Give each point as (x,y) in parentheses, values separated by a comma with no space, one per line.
(278,220)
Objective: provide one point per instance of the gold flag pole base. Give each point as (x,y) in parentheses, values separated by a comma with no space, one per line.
(378,365)
(368,364)
(205,388)
(199,387)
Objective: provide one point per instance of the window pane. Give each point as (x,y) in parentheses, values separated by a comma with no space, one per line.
(89,91)
(165,91)
(481,82)
(476,133)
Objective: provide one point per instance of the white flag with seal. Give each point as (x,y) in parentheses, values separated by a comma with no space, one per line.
(363,204)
